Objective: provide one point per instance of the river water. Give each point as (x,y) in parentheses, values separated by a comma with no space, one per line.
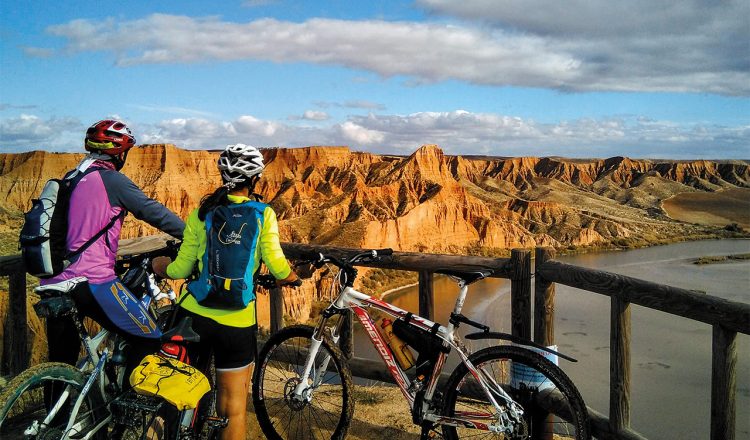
(670,355)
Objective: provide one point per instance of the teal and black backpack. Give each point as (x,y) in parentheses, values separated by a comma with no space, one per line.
(226,280)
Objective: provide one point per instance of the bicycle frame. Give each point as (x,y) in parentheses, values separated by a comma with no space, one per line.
(96,360)
(358,302)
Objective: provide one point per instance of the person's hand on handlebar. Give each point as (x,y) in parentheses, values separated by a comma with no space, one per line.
(159,265)
(291,280)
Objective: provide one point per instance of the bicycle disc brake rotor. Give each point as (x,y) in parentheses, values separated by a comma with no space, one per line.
(293,402)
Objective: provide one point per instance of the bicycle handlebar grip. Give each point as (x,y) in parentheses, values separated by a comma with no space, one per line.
(384,252)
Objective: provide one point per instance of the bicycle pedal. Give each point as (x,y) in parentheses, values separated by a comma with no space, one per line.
(217,422)
(428,432)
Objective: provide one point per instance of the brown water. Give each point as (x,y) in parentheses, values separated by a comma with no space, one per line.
(670,356)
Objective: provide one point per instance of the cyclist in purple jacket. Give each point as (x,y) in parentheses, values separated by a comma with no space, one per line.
(103,197)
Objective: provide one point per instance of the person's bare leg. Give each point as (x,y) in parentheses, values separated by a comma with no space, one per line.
(232,387)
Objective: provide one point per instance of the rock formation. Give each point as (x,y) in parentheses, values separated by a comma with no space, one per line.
(426,202)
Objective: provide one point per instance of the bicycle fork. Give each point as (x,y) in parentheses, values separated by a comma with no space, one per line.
(303,391)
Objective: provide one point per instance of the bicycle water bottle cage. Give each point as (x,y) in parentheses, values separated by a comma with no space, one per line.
(182,332)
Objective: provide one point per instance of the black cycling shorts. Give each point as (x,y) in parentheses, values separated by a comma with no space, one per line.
(233,347)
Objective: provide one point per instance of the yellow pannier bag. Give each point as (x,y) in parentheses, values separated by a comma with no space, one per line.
(176,382)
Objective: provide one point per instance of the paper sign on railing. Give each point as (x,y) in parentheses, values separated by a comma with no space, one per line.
(524,376)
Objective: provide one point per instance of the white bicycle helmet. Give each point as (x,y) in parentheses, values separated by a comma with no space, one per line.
(240,162)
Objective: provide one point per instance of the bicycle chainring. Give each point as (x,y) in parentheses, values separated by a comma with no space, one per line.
(51,434)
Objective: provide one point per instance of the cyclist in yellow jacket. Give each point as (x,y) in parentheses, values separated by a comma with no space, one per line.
(238,232)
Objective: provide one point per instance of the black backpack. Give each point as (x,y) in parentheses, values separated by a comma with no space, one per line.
(43,239)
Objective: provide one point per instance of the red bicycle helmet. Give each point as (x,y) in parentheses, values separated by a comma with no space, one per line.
(109,137)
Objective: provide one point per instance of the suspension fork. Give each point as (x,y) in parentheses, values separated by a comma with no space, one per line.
(315,343)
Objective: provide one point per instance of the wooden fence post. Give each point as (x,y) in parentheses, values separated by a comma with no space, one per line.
(723,383)
(277,309)
(544,301)
(426,295)
(544,330)
(520,293)
(15,350)
(619,365)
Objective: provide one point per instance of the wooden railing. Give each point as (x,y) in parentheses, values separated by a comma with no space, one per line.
(727,318)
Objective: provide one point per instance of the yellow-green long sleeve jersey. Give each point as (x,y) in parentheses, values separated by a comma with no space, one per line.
(194,246)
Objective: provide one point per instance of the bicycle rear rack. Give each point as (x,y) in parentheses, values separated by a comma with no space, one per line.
(132,409)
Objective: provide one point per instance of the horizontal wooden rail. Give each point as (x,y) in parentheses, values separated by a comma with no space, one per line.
(731,315)
(410,261)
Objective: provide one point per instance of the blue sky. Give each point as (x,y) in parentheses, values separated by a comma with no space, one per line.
(580,78)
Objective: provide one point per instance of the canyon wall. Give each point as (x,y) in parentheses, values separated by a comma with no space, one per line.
(426,202)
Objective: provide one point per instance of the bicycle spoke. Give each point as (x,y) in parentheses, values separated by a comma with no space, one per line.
(322,408)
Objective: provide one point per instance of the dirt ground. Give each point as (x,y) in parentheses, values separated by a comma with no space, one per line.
(717,209)
(387,417)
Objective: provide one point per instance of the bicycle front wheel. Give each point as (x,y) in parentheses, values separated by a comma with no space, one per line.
(27,400)
(552,406)
(324,410)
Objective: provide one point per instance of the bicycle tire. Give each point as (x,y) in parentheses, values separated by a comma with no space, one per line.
(531,380)
(22,401)
(327,414)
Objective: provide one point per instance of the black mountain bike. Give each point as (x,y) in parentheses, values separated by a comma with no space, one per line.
(57,401)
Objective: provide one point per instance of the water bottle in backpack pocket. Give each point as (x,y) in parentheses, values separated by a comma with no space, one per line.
(229,262)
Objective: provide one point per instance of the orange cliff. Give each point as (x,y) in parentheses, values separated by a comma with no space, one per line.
(427,202)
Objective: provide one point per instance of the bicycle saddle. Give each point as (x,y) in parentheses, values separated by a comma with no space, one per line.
(182,332)
(64,286)
(468,277)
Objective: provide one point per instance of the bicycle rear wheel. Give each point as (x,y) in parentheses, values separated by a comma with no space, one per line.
(27,399)
(553,408)
(327,407)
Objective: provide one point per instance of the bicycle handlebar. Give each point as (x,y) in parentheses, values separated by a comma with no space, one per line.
(371,254)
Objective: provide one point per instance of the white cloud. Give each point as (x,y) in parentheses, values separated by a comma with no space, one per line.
(689,46)
(353,132)
(27,132)
(638,45)
(457,132)
(311,115)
